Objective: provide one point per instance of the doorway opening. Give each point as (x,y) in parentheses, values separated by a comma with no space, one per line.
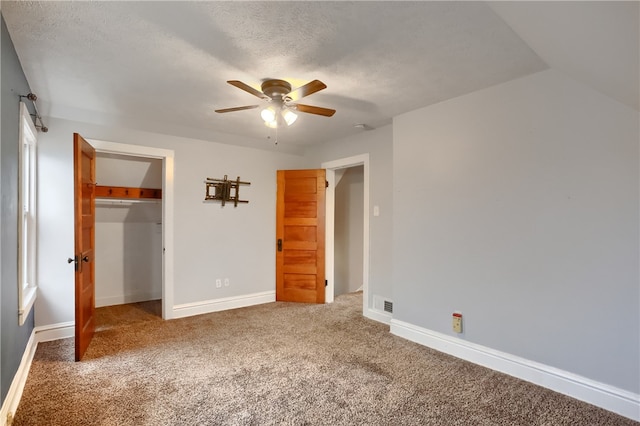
(348,248)
(334,171)
(158,224)
(128,234)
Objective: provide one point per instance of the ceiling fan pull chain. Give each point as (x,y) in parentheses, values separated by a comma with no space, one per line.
(277,134)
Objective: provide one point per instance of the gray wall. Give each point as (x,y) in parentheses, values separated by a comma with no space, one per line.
(518,205)
(13,338)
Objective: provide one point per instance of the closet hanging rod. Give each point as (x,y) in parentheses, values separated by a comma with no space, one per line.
(125,201)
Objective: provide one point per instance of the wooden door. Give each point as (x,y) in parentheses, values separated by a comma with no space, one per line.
(300,211)
(84,185)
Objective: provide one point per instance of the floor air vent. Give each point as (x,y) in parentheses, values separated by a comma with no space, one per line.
(382,304)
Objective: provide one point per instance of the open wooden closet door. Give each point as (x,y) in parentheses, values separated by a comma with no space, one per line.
(84,157)
(300,235)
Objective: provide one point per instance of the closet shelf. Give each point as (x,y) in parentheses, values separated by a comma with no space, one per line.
(127,193)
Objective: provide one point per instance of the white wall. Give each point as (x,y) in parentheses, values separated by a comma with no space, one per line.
(210,241)
(128,170)
(378,144)
(128,261)
(349,199)
(518,205)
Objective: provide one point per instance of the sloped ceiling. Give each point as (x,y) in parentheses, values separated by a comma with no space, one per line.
(163,66)
(596,43)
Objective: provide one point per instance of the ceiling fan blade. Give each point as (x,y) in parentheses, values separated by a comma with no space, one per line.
(247,88)
(306,90)
(315,110)
(237,108)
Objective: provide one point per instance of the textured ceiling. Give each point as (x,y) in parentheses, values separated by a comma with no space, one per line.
(163,66)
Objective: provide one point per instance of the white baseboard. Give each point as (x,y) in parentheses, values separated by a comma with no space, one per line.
(610,398)
(376,315)
(14,394)
(62,330)
(39,334)
(127,298)
(215,305)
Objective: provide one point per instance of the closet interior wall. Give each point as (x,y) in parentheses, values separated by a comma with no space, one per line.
(128,253)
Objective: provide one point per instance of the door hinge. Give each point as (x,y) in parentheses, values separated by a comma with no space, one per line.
(326,283)
(326,183)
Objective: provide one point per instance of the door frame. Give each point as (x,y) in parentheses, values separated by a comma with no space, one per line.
(331,167)
(167,157)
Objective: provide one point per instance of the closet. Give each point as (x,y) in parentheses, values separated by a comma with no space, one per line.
(128,231)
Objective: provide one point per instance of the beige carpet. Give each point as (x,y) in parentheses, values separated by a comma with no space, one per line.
(275,364)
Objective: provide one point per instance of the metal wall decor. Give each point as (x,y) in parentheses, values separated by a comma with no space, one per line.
(224,190)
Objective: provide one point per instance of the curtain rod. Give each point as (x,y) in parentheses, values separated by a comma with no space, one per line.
(32,97)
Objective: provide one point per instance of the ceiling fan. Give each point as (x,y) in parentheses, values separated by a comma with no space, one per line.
(282,99)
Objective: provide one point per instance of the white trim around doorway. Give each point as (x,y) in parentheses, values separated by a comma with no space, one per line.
(331,167)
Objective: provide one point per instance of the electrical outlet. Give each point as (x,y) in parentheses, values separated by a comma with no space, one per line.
(457,322)
(218,283)
(226,282)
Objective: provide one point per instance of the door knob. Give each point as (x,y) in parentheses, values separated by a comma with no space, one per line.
(85,259)
(74,259)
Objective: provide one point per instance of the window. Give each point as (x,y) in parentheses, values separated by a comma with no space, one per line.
(27,223)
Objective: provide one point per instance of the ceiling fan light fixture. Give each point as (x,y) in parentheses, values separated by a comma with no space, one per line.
(271,116)
(283,101)
(268,115)
(289,116)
